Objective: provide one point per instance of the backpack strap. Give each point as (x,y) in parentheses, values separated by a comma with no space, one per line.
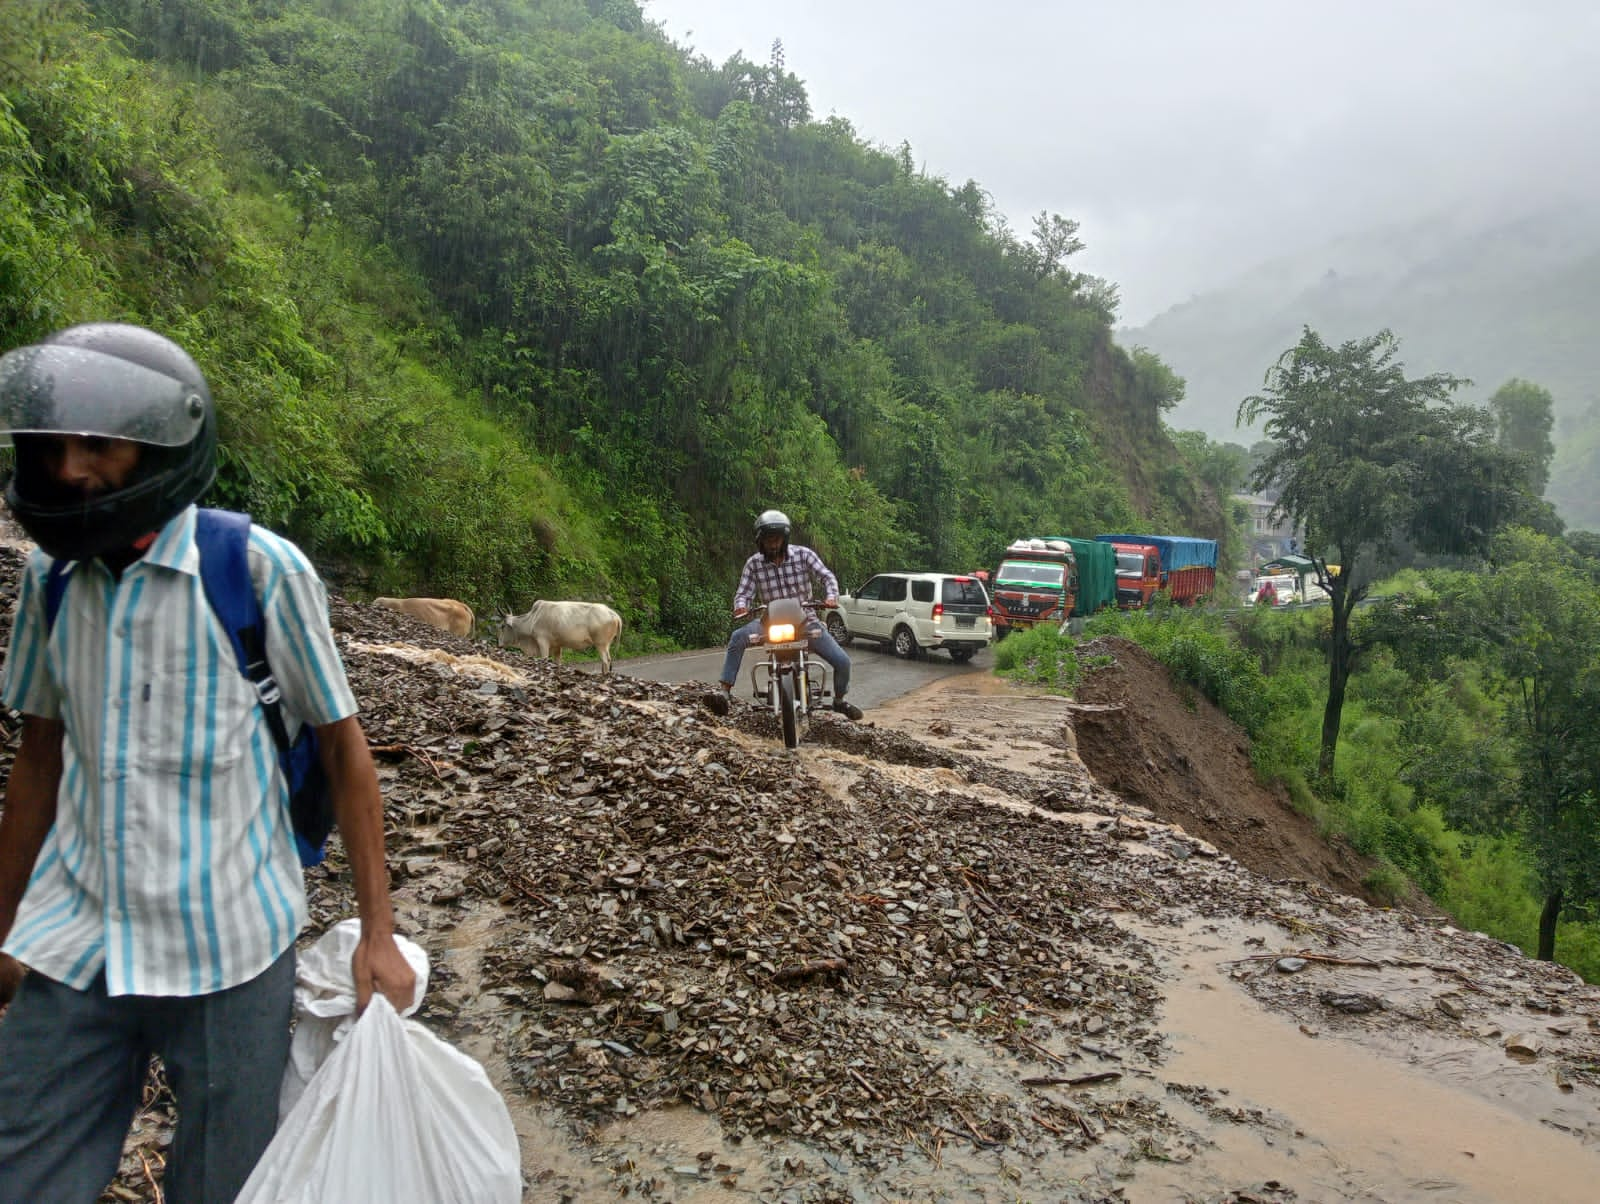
(55,589)
(223,537)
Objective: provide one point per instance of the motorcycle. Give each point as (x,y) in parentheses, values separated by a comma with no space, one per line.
(789,680)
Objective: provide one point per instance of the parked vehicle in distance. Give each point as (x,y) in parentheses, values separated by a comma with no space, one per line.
(1037,582)
(1285,589)
(1180,566)
(917,611)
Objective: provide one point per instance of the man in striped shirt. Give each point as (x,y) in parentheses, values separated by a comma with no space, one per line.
(148,874)
(783,570)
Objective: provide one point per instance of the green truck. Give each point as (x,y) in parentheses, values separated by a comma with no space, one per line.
(1049,579)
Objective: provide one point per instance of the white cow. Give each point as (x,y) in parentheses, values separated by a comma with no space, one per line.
(445,613)
(550,627)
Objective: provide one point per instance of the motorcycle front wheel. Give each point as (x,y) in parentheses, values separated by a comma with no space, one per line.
(788,710)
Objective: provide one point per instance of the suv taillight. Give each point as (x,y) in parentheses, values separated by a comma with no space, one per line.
(938,609)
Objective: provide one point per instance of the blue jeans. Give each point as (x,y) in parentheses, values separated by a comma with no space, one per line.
(823,644)
(72,1067)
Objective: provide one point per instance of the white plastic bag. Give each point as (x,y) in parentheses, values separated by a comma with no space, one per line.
(392,1114)
(325,1003)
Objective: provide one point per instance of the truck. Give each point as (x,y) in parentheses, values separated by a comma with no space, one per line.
(1097,573)
(1180,566)
(1037,582)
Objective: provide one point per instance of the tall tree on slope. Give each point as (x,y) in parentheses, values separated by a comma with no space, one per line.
(1532,615)
(1524,418)
(1364,459)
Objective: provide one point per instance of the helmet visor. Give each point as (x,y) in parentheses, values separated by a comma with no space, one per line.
(49,389)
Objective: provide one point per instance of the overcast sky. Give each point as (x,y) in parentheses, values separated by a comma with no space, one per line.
(1195,138)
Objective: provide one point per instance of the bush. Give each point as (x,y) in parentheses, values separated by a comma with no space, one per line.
(697,615)
(1039,656)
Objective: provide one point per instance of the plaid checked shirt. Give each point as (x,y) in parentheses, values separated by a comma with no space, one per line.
(792,577)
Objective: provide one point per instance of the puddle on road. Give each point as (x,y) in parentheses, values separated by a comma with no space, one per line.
(1342,1122)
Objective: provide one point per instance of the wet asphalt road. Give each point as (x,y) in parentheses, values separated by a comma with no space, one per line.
(876,673)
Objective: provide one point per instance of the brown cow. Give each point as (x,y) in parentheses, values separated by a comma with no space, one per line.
(445,613)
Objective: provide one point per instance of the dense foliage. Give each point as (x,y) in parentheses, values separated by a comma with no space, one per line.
(508,298)
(1528,624)
(1467,760)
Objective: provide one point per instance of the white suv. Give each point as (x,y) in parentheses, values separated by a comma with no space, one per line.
(913,611)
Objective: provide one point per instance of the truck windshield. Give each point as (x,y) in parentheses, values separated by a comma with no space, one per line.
(1131,563)
(1014,572)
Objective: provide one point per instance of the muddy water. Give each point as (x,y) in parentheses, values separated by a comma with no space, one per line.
(1340,1122)
(1244,1097)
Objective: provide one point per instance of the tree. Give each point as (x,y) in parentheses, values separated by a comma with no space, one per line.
(1523,413)
(1534,614)
(1155,379)
(1362,458)
(1055,240)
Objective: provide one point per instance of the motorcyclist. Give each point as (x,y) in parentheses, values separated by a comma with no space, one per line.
(779,569)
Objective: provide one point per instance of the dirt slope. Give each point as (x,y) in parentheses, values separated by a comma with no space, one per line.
(927,957)
(1168,749)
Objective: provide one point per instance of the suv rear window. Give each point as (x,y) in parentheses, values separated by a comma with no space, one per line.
(922,591)
(958,592)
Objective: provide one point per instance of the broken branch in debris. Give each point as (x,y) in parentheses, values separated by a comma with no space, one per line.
(1082,1080)
(406,750)
(811,969)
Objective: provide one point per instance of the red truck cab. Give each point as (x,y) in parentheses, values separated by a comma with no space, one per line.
(1180,567)
(1139,575)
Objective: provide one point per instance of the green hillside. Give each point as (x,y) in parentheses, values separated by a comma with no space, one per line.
(1487,299)
(513,298)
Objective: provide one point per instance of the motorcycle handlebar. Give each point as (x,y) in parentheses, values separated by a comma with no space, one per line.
(811,604)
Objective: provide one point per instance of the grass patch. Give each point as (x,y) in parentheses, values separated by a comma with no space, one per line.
(1040,656)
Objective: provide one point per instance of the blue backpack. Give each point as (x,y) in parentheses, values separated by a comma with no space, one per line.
(223,538)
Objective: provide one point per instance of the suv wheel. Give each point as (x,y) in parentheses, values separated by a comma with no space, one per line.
(838,630)
(905,644)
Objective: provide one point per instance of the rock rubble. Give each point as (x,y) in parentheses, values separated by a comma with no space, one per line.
(883,967)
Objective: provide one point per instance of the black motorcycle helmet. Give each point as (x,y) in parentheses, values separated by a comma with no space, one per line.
(117,381)
(773,522)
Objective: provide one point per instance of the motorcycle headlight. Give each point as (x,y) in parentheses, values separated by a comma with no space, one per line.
(780,633)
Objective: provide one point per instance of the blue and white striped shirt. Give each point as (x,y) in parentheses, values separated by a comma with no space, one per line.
(171,862)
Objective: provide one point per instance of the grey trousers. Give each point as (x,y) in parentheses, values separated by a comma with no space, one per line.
(73,1063)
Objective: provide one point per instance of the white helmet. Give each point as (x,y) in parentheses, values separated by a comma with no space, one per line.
(773,522)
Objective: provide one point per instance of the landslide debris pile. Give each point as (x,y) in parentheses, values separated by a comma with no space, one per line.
(855,960)
(692,917)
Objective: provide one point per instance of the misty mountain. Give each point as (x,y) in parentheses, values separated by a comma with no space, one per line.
(1479,296)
